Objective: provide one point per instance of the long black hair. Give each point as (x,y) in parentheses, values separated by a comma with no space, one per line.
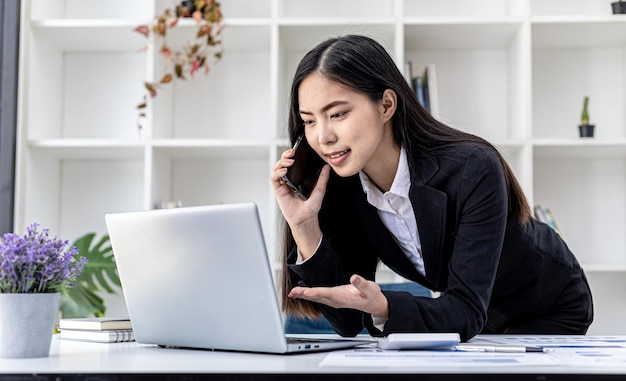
(363,65)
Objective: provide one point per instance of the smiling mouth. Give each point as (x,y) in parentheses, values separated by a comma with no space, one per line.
(338,154)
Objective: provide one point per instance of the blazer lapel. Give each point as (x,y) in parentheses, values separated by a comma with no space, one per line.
(429,206)
(389,252)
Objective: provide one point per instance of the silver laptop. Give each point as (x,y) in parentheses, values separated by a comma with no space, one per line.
(199,277)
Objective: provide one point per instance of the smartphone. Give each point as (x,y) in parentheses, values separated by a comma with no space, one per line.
(302,176)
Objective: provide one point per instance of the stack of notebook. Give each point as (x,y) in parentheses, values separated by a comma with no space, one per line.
(104,330)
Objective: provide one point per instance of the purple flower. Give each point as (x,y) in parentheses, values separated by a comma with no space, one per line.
(36,263)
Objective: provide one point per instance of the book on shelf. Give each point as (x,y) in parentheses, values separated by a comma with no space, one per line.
(546,216)
(95,324)
(418,88)
(425,88)
(431,93)
(104,336)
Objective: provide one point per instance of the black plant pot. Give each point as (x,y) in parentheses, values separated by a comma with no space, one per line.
(187,8)
(619,7)
(586,130)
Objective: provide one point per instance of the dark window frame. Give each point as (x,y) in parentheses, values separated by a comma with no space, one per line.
(9,69)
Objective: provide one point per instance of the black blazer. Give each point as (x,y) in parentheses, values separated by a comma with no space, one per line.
(485,263)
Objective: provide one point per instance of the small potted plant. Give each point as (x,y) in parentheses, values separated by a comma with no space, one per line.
(33,270)
(585,129)
(619,7)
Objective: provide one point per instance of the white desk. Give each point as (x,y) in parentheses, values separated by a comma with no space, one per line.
(82,361)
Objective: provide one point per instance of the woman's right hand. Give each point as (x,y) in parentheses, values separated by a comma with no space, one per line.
(301,215)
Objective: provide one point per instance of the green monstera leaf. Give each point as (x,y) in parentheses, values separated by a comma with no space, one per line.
(100,273)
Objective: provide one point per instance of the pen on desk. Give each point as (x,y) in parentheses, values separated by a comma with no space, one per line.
(498,348)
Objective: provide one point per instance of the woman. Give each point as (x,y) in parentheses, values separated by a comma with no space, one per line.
(438,206)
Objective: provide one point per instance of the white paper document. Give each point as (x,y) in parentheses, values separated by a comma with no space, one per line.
(569,350)
(373,357)
(553,341)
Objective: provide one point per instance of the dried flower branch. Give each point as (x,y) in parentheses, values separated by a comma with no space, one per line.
(194,55)
(35,263)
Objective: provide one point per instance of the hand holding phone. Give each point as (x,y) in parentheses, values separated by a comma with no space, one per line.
(302,176)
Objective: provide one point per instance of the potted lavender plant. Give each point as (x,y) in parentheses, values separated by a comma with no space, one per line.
(33,269)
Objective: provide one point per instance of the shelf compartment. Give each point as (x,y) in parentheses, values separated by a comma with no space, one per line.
(353,9)
(606,289)
(303,35)
(231,102)
(70,193)
(479,76)
(90,9)
(81,94)
(246,9)
(579,32)
(208,180)
(237,35)
(587,195)
(570,7)
(463,8)
(99,35)
(562,77)
(460,34)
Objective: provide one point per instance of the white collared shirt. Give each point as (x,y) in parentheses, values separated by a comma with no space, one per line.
(396,211)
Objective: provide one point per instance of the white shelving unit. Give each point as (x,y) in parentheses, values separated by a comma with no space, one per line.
(514,72)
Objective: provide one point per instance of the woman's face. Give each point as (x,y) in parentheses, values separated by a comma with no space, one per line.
(347,129)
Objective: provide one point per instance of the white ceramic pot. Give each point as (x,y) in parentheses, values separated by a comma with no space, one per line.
(27,324)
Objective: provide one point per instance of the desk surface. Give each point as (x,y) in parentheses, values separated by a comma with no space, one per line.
(82,360)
